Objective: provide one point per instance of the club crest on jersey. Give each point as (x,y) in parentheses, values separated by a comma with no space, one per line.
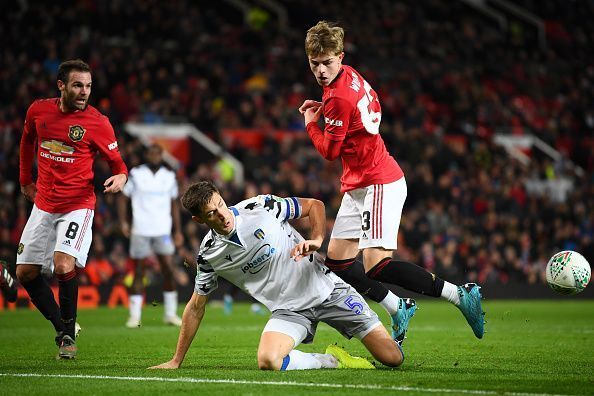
(76,133)
(20,248)
(259,233)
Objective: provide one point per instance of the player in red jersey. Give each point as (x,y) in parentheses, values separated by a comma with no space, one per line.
(67,133)
(374,189)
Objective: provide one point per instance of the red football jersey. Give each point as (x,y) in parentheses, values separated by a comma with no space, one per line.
(352,114)
(66,147)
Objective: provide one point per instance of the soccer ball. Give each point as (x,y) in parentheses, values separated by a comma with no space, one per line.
(568,272)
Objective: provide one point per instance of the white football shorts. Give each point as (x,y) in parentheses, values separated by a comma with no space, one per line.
(372,215)
(143,246)
(46,233)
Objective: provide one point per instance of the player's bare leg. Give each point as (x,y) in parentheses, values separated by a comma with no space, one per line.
(272,350)
(169,290)
(342,249)
(383,347)
(276,352)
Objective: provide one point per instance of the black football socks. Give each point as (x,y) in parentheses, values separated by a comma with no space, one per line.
(407,275)
(42,297)
(353,273)
(68,291)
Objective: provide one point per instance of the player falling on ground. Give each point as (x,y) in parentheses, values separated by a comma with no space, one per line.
(374,189)
(67,133)
(152,188)
(253,246)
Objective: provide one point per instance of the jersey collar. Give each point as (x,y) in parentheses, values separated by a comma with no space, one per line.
(338,76)
(233,236)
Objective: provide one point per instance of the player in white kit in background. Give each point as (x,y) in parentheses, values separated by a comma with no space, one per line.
(253,246)
(153,190)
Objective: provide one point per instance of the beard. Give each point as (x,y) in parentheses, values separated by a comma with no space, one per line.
(71,104)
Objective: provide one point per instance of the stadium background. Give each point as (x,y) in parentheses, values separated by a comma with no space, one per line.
(451,79)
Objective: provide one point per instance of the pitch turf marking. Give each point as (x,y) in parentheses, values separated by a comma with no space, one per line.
(279,383)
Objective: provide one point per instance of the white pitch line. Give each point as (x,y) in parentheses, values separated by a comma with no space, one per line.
(278,383)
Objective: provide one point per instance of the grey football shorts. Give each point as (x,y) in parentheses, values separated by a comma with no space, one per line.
(142,246)
(345,310)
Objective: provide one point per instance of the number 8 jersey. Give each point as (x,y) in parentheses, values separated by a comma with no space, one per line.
(352,116)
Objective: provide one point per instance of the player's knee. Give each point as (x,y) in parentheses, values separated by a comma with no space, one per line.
(26,273)
(268,361)
(62,267)
(63,263)
(393,359)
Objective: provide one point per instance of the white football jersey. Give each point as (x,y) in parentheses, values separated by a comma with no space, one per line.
(151,195)
(256,257)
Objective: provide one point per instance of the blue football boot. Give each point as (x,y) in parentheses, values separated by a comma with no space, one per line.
(406,310)
(470,305)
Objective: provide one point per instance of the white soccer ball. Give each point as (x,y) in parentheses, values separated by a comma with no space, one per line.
(568,272)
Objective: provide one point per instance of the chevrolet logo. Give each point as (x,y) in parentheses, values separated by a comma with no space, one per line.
(56,147)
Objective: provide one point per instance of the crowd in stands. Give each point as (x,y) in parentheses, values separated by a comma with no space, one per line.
(448,78)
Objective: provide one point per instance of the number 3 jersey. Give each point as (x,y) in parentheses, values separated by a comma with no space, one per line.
(256,257)
(352,116)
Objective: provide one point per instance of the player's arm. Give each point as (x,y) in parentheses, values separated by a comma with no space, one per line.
(108,148)
(27,155)
(337,115)
(191,319)
(178,236)
(123,214)
(315,211)
(122,204)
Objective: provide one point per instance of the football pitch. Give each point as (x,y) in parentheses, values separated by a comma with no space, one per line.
(543,347)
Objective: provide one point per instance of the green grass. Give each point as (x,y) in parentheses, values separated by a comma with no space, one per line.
(542,347)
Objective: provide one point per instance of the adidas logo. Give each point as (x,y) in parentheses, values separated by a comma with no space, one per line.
(66,242)
(228,257)
(364,236)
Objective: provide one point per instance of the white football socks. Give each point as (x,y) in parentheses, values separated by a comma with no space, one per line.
(135,305)
(297,360)
(450,293)
(170,302)
(390,303)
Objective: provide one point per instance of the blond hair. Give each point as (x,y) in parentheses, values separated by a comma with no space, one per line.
(324,38)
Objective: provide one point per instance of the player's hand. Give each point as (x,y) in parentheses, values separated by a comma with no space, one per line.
(125,229)
(312,114)
(170,365)
(178,239)
(115,183)
(305,248)
(29,191)
(308,104)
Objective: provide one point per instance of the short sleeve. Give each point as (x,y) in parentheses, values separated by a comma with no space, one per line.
(282,208)
(206,278)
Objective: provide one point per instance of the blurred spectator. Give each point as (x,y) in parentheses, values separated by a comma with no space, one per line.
(442,70)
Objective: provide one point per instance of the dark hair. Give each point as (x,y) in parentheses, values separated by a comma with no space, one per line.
(155,146)
(197,196)
(70,65)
